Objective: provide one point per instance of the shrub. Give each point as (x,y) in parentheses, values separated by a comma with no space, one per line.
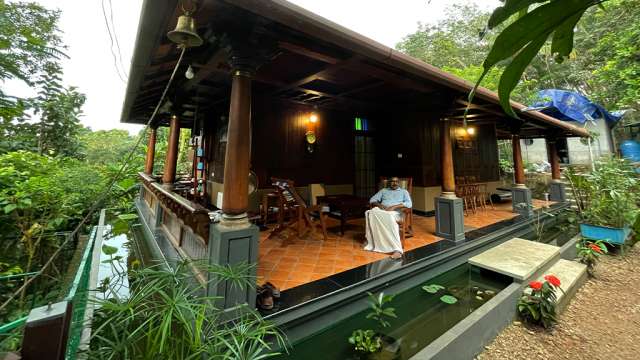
(538,302)
(589,252)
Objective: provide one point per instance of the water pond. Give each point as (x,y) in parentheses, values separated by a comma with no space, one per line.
(421,318)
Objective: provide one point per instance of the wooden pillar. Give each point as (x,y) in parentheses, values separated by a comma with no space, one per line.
(554,159)
(518,165)
(151,151)
(171,161)
(446,160)
(236,166)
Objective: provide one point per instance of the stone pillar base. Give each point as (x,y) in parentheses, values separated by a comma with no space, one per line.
(449,218)
(521,197)
(557,191)
(231,246)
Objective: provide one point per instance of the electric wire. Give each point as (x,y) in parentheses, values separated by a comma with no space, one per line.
(106,191)
(115,37)
(113,54)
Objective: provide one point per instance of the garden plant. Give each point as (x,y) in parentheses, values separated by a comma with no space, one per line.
(538,302)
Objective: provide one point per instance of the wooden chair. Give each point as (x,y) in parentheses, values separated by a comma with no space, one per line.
(291,201)
(406,223)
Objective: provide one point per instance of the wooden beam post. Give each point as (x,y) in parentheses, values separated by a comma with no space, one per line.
(171,161)
(554,159)
(236,165)
(446,160)
(520,194)
(557,191)
(518,165)
(151,151)
(449,207)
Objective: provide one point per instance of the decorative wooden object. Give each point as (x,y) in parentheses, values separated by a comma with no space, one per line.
(191,214)
(292,202)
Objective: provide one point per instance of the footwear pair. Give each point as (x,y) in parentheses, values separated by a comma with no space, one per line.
(266,295)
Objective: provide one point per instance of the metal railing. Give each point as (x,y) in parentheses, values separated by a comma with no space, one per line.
(77,294)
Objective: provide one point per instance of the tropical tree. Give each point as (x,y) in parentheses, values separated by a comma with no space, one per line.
(530,25)
(29,40)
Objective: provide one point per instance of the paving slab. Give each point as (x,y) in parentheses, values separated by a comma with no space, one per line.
(517,258)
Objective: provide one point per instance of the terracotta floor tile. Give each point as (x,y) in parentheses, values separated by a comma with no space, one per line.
(323,269)
(291,261)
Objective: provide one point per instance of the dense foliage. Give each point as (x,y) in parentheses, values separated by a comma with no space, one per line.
(608,196)
(603,64)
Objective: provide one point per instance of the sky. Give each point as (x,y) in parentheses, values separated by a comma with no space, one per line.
(91,66)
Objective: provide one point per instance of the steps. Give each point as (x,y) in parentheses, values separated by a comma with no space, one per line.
(572,276)
(525,260)
(518,258)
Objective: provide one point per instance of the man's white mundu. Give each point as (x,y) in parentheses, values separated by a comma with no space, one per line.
(383,232)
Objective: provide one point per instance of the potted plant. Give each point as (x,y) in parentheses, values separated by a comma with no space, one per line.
(606,200)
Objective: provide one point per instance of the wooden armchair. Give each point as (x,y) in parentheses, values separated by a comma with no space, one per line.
(406,223)
(305,215)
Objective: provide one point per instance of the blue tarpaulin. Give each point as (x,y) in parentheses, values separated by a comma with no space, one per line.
(571,106)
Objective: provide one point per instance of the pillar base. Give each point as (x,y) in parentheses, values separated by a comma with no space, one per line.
(557,191)
(449,217)
(521,197)
(232,246)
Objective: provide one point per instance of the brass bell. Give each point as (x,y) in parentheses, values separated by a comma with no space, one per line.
(185,33)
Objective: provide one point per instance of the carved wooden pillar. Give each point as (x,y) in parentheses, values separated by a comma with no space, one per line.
(554,159)
(446,160)
(518,165)
(448,207)
(521,195)
(557,191)
(234,239)
(151,151)
(171,161)
(236,165)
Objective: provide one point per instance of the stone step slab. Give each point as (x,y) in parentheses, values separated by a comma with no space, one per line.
(518,258)
(572,276)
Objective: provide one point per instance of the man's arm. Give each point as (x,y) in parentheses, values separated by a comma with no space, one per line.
(376,200)
(406,201)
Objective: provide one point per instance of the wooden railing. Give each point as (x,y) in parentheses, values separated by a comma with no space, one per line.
(193,215)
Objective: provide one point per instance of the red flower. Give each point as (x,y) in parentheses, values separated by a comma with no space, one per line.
(595,248)
(553,280)
(535,285)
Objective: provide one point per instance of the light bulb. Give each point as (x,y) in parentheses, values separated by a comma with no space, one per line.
(471,130)
(313,118)
(189,74)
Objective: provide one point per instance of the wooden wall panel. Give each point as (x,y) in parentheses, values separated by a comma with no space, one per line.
(279,144)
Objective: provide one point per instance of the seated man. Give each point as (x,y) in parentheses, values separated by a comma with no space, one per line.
(382,230)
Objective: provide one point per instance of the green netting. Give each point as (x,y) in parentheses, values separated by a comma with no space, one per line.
(78,294)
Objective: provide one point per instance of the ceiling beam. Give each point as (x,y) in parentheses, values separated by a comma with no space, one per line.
(301,50)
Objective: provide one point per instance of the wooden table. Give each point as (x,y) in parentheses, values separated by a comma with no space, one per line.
(344,207)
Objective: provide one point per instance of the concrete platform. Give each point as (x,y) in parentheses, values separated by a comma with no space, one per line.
(572,276)
(517,258)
